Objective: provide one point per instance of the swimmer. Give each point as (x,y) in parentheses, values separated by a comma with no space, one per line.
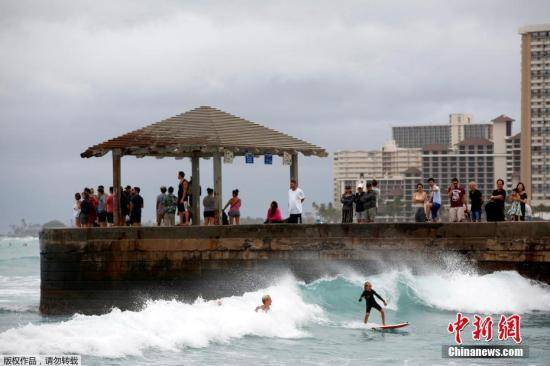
(369,294)
(266,303)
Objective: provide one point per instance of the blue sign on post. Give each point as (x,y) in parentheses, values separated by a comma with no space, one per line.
(268,159)
(249,158)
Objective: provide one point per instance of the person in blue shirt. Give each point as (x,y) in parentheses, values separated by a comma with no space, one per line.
(434,203)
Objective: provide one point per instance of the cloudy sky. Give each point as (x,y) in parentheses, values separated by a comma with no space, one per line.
(338,74)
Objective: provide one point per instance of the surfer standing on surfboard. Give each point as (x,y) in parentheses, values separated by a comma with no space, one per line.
(369,294)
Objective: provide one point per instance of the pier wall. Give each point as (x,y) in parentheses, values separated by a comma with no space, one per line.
(92,270)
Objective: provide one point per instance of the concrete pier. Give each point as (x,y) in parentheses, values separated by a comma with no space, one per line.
(92,270)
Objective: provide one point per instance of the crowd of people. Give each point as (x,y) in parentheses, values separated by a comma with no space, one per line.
(426,203)
(97,209)
(364,202)
(92,209)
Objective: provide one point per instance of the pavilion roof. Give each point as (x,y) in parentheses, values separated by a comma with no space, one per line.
(208,130)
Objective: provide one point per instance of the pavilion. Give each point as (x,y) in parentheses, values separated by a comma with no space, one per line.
(203,132)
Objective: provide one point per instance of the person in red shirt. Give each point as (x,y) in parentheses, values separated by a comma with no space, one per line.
(457,198)
(109,207)
(274,214)
(93,202)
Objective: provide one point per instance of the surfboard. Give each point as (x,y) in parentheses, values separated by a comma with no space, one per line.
(391,326)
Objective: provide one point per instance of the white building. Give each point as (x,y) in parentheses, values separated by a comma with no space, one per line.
(535,112)
(388,161)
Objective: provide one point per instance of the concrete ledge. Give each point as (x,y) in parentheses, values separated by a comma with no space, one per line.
(123,266)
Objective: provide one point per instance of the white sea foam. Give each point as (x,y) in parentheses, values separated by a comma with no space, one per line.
(497,292)
(455,288)
(467,291)
(19,294)
(169,325)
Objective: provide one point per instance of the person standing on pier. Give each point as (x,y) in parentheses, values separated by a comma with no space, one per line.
(457,201)
(435,199)
(209,204)
(347,206)
(101,212)
(160,205)
(296,199)
(522,199)
(136,206)
(76,209)
(109,207)
(495,208)
(476,201)
(183,191)
(170,206)
(360,199)
(234,205)
(125,205)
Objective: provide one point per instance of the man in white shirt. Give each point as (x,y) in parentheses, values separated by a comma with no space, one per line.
(361,181)
(295,199)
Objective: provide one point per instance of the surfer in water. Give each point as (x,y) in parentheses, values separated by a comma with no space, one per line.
(266,303)
(369,294)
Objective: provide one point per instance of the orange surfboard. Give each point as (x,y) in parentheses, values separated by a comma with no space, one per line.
(391,326)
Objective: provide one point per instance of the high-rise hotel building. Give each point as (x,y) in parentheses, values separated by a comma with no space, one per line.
(535,112)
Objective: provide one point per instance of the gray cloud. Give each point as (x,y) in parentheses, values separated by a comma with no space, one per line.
(338,74)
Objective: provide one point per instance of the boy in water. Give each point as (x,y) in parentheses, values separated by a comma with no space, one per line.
(266,301)
(369,294)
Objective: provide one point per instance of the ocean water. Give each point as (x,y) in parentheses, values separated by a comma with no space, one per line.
(317,323)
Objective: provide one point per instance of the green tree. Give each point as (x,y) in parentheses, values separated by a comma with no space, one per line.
(396,207)
(53,224)
(327,212)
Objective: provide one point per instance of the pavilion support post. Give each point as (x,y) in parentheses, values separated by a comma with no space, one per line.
(218,182)
(294,167)
(117,215)
(195,188)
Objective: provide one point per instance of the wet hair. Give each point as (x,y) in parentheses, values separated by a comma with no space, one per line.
(163,189)
(265,298)
(170,189)
(209,190)
(136,189)
(431,180)
(522,185)
(500,180)
(181,174)
(374,182)
(235,192)
(367,284)
(77,196)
